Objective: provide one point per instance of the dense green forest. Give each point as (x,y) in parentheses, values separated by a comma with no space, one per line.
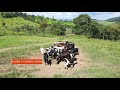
(18,23)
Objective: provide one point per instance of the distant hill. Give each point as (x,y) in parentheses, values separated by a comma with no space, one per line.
(115,19)
(105,22)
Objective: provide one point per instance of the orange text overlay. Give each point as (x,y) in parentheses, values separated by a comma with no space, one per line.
(26,61)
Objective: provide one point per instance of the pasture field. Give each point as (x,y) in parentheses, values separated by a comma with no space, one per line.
(105,22)
(97,59)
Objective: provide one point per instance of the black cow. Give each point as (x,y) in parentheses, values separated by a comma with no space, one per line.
(70,46)
(75,51)
(67,42)
(46,59)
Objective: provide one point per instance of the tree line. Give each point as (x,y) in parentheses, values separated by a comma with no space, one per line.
(55,28)
(84,25)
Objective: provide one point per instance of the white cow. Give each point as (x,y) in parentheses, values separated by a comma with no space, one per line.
(59,49)
(42,50)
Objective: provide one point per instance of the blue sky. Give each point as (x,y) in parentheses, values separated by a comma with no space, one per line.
(71,15)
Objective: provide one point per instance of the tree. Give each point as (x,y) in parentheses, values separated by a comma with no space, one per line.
(113,32)
(82,19)
(17,29)
(43,25)
(4,27)
(93,30)
(3,24)
(57,29)
(81,23)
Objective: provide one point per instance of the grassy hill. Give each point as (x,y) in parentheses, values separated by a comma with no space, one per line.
(115,19)
(8,25)
(16,22)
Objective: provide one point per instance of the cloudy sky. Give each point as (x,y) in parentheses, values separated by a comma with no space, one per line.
(71,15)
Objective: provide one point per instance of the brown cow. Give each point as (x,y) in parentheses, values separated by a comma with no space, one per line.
(60,45)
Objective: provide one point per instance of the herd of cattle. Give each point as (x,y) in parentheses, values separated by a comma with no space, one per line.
(61,51)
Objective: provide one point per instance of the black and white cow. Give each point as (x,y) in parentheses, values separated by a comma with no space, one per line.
(70,62)
(46,58)
(68,56)
(52,53)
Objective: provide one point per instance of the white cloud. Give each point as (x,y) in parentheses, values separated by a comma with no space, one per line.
(105,15)
(71,15)
(56,15)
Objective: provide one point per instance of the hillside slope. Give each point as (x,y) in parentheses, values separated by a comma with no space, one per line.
(9,25)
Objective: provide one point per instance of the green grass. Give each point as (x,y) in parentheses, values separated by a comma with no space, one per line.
(68,31)
(26,46)
(13,41)
(16,22)
(50,21)
(57,76)
(69,24)
(103,56)
(17,74)
(7,56)
(22,46)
